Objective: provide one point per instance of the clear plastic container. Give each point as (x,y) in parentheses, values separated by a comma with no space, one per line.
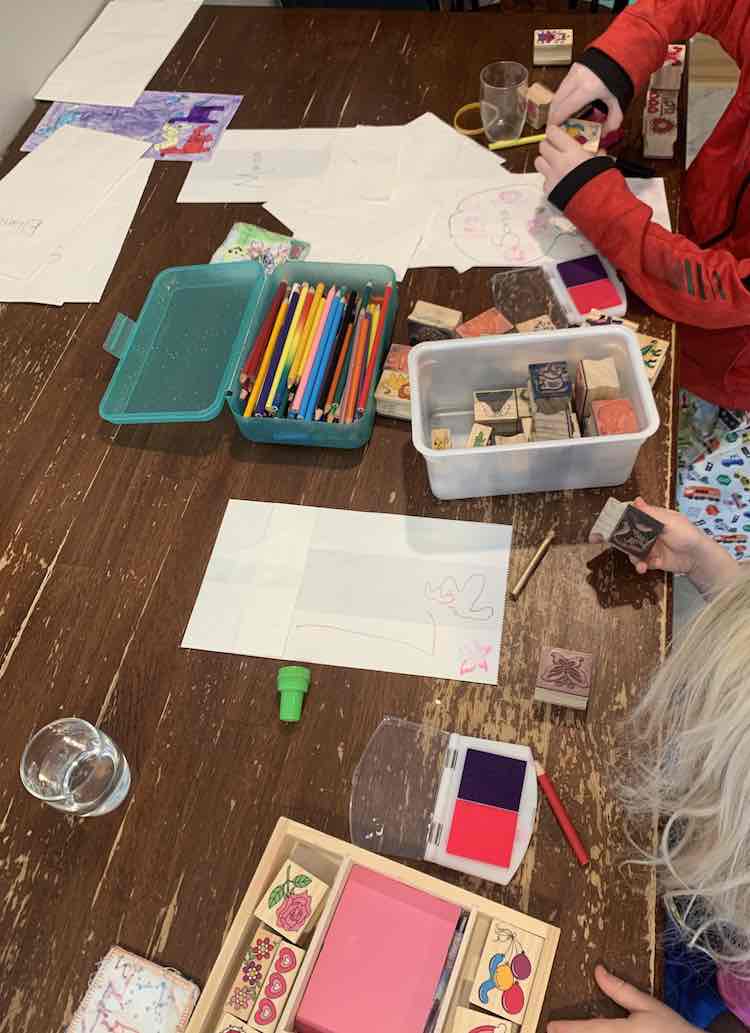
(444,374)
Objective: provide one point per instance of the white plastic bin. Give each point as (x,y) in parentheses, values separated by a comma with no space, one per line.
(444,374)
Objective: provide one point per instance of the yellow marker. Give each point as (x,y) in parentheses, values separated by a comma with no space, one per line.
(289,345)
(500,145)
(258,385)
(307,335)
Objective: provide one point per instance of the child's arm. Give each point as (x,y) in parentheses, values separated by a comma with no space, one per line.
(635,45)
(700,287)
(684,549)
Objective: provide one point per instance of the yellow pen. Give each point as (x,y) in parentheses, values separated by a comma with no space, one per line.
(258,385)
(289,346)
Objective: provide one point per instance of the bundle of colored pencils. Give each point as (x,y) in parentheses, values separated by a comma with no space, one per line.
(316,353)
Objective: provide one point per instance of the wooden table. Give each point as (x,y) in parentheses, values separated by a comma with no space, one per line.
(105,533)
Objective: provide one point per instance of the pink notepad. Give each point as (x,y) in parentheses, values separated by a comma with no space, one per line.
(381,959)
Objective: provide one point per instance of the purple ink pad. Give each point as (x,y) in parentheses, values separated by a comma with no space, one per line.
(582,270)
(492,779)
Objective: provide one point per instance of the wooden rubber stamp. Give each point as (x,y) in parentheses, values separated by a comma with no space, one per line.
(479,436)
(498,408)
(669,76)
(564,678)
(292,901)
(278,984)
(553,46)
(654,354)
(441,438)
(486,324)
(466,1020)
(587,134)
(229,1024)
(612,416)
(428,322)
(254,967)
(627,528)
(536,325)
(538,100)
(596,379)
(505,975)
(551,389)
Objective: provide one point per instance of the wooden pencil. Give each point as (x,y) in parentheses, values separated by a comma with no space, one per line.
(326,350)
(255,356)
(312,322)
(313,349)
(280,317)
(372,364)
(342,360)
(355,369)
(286,355)
(260,406)
(336,356)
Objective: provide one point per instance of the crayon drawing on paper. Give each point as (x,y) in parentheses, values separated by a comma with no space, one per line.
(364,590)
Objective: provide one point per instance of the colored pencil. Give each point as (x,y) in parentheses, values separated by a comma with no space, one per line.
(326,352)
(355,369)
(339,374)
(312,350)
(285,360)
(501,145)
(534,562)
(563,819)
(372,364)
(318,355)
(342,392)
(253,361)
(312,321)
(280,317)
(281,398)
(359,384)
(337,355)
(260,406)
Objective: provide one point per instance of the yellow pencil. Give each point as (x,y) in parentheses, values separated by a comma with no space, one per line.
(500,145)
(375,312)
(258,385)
(289,345)
(312,319)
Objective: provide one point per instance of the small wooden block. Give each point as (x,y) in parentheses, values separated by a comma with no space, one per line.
(536,325)
(428,322)
(661,102)
(523,402)
(551,389)
(276,989)
(635,532)
(228,1024)
(291,903)
(613,416)
(595,379)
(669,76)
(487,323)
(504,979)
(498,408)
(553,46)
(587,134)
(441,438)
(659,136)
(609,518)
(564,678)
(255,964)
(538,100)
(556,426)
(654,354)
(467,1021)
(479,436)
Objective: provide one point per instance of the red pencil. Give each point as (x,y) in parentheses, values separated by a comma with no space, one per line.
(561,814)
(252,363)
(362,400)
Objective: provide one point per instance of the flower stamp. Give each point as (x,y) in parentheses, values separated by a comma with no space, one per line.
(292,902)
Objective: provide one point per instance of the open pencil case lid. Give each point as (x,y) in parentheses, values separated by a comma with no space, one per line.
(407,785)
(179,361)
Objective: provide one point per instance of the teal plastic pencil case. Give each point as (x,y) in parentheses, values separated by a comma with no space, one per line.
(179,361)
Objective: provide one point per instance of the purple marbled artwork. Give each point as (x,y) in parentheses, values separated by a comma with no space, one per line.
(180,126)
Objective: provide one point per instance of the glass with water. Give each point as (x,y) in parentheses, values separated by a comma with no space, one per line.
(503,86)
(75,767)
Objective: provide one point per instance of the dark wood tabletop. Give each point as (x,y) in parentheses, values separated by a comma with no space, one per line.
(105,533)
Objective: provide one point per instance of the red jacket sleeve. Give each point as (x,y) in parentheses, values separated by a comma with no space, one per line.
(677,278)
(638,38)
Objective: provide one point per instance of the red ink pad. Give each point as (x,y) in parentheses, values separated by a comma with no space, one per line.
(600,294)
(482,833)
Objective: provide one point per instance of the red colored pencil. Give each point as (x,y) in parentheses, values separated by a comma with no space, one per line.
(355,369)
(362,400)
(563,819)
(252,363)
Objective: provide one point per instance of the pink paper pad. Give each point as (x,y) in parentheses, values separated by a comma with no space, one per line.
(381,959)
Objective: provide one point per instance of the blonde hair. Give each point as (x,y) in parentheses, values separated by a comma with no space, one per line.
(691,770)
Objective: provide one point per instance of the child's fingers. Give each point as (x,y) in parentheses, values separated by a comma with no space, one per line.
(559,141)
(568,100)
(543,167)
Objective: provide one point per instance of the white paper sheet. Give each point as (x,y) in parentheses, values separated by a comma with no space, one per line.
(378,592)
(53,190)
(79,271)
(114,61)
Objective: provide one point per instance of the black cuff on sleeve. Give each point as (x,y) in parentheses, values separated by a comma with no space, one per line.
(614,76)
(577,178)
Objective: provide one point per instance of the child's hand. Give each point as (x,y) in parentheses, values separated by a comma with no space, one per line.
(559,154)
(647,1015)
(579,88)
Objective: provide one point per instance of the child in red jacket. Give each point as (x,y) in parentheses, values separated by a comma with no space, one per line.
(701,278)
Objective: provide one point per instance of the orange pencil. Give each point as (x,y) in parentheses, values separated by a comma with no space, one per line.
(339,366)
(344,400)
(356,370)
(375,351)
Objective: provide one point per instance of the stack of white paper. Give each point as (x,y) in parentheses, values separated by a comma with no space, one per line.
(115,60)
(65,210)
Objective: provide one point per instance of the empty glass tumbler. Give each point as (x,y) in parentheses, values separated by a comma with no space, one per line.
(75,767)
(502,99)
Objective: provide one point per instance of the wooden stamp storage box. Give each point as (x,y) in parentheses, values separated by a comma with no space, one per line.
(330,859)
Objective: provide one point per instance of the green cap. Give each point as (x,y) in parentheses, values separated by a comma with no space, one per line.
(293,683)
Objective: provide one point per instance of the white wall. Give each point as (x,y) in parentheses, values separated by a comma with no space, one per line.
(35,36)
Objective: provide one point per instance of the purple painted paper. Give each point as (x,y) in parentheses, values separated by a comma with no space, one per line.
(179,126)
(492,779)
(582,270)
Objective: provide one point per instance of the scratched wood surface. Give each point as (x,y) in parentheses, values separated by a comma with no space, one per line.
(105,534)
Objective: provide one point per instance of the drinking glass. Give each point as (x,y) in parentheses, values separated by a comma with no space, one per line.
(502,99)
(75,767)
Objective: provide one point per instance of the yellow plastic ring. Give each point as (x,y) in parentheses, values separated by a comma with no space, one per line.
(462,111)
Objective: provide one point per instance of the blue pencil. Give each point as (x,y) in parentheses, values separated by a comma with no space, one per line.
(325,358)
(332,313)
(260,405)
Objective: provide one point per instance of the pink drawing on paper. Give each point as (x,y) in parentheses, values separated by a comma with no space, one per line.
(474,657)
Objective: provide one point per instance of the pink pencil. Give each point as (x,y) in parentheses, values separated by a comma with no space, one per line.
(311,353)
